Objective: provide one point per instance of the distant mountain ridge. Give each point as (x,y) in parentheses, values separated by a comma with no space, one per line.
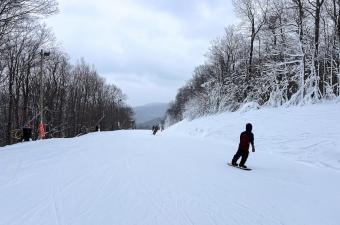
(149,124)
(150,114)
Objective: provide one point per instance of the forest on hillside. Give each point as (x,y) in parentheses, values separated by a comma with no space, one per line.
(283,52)
(39,83)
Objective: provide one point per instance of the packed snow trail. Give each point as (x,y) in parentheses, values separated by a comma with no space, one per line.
(133,177)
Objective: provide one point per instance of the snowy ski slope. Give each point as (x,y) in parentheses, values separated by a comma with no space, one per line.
(180,176)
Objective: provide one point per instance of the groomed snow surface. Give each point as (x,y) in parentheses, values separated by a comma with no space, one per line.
(179,176)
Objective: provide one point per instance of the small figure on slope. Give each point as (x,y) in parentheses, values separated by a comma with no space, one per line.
(155,129)
(27,133)
(246,138)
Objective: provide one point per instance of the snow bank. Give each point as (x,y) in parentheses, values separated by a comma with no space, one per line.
(308,134)
(250,106)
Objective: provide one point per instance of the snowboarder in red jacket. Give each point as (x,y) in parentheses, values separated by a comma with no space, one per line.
(246,138)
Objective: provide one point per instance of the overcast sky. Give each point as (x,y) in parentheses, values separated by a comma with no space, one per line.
(148,48)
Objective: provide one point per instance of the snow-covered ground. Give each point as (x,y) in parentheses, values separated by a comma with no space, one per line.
(180,176)
(309,134)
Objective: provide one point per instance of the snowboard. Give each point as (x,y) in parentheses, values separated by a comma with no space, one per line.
(229,164)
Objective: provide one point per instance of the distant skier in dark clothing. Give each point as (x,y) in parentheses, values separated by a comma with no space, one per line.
(26,133)
(246,138)
(155,129)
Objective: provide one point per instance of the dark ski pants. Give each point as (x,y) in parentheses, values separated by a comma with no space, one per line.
(240,153)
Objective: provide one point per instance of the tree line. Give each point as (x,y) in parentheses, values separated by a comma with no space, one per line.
(283,52)
(35,72)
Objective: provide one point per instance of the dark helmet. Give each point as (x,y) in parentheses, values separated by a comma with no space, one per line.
(249,127)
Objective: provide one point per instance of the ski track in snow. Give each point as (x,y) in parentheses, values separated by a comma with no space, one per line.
(133,177)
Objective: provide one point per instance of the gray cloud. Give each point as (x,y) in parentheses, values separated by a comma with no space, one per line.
(148,48)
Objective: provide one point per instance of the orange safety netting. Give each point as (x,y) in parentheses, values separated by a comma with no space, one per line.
(41,130)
